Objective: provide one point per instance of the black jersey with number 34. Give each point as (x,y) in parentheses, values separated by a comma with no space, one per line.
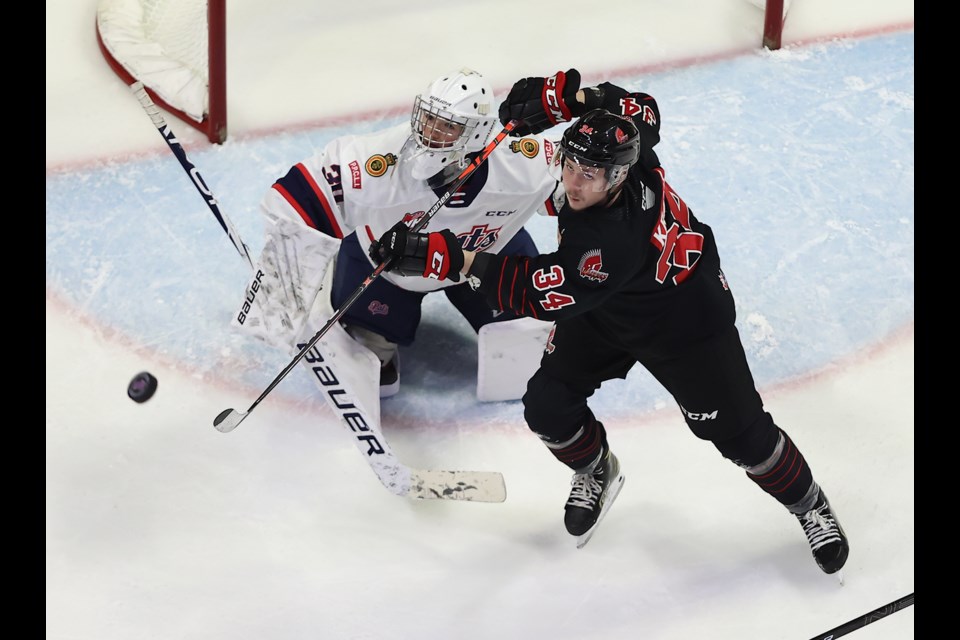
(617,263)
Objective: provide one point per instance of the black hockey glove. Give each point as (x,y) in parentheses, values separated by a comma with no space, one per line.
(540,103)
(409,252)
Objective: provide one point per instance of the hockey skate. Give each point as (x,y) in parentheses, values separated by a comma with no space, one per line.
(390,377)
(591,496)
(825,535)
(386,351)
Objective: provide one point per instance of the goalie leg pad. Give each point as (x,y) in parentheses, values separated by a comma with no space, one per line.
(508,354)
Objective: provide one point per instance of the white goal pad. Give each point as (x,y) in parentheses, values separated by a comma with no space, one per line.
(508,354)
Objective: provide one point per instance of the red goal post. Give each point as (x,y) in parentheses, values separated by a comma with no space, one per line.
(774,15)
(177,49)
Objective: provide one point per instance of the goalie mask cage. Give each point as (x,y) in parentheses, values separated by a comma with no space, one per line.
(177,49)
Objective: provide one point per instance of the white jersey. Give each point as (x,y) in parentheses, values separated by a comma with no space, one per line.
(359,183)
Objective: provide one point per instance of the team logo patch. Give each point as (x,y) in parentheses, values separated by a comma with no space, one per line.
(378,308)
(526,146)
(590,266)
(377,165)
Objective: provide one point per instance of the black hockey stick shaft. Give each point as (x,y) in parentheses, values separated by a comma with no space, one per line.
(158,121)
(228,419)
(864,620)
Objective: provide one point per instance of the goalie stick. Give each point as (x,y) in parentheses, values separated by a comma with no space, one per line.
(398,478)
(157,118)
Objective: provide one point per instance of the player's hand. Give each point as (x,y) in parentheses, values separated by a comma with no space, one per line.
(540,103)
(431,255)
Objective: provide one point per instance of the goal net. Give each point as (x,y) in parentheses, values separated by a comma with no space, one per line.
(177,48)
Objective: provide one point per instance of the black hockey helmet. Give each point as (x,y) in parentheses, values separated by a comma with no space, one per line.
(599,139)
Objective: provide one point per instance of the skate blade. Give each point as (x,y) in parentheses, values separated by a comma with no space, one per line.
(611,496)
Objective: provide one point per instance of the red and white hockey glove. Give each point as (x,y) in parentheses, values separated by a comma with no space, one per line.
(540,103)
(435,255)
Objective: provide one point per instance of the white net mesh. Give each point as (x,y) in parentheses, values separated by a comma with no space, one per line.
(162,43)
(180,27)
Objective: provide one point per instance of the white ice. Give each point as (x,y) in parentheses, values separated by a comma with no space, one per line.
(160,527)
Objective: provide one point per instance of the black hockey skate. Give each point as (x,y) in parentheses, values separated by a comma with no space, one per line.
(591,497)
(825,535)
(390,377)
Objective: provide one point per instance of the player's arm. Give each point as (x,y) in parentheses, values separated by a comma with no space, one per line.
(539,103)
(303,229)
(547,287)
(311,193)
(550,286)
(641,108)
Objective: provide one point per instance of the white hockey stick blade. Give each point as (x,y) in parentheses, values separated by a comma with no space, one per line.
(611,496)
(470,486)
(228,419)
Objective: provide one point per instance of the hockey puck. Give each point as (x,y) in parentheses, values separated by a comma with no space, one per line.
(142,387)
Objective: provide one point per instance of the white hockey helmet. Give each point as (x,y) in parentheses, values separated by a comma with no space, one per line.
(451,119)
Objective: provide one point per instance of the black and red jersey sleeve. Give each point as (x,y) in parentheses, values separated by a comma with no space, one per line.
(641,108)
(552,286)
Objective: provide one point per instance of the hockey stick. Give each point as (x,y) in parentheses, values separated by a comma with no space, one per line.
(477,486)
(864,620)
(157,118)
(228,419)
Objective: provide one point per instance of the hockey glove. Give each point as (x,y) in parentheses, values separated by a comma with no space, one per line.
(435,255)
(540,103)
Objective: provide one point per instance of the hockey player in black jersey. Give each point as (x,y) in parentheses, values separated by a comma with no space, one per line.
(636,278)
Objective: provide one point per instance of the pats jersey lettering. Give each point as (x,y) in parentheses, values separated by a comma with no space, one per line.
(359,183)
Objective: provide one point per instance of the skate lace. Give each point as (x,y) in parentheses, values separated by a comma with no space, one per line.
(586,491)
(820,527)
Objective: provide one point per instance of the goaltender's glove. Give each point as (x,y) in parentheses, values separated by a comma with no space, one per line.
(540,103)
(435,255)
